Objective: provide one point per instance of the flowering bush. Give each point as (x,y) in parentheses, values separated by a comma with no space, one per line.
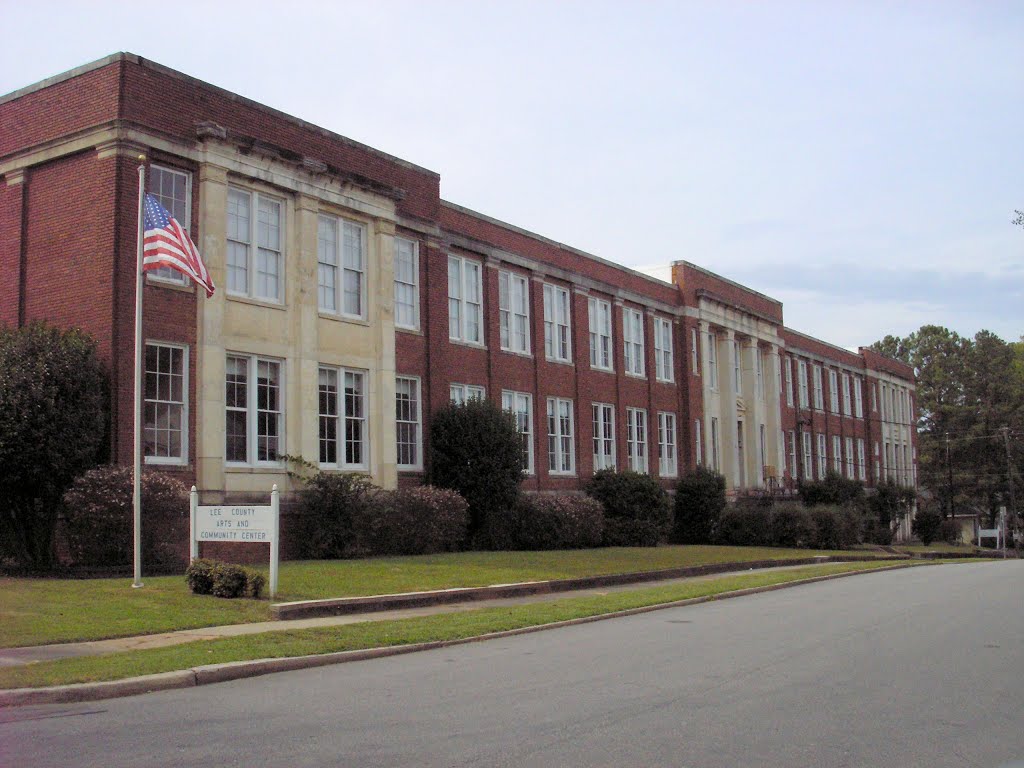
(411,521)
(549,522)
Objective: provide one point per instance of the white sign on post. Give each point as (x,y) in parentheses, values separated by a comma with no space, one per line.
(239,525)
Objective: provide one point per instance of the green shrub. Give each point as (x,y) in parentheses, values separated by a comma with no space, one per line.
(412,521)
(229,580)
(745,526)
(328,504)
(877,532)
(951,532)
(199,576)
(53,427)
(636,508)
(564,521)
(791,526)
(834,489)
(476,450)
(700,499)
(927,523)
(98,518)
(835,527)
(254,583)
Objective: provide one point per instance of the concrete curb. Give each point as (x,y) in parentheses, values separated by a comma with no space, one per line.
(236,670)
(302,609)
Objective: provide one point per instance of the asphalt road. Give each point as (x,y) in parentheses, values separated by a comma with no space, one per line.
(915,667)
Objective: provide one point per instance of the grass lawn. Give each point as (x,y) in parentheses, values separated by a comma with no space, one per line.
(938,546)
(43,611)
(375,634)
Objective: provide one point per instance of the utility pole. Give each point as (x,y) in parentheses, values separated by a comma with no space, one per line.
(949,476)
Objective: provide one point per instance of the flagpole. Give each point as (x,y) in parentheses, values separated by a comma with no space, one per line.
(137,472)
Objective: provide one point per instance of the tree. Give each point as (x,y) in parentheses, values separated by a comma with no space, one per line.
(700,499)
(476,449)
(53,419)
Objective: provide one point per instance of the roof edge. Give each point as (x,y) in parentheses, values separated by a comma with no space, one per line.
(61,77)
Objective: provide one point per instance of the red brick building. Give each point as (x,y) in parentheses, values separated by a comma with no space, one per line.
(353,301)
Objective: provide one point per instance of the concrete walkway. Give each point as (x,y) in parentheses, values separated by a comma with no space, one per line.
(31,654)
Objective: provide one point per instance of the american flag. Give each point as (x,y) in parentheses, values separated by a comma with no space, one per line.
(167,244)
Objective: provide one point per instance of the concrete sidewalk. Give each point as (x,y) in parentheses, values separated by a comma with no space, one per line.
(430,603)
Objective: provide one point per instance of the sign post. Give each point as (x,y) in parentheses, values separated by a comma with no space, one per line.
(239,525)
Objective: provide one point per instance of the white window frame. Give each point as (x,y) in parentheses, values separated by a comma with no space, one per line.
(253,412)
(846,395)
(253,248)
(514,312)
(664,366)
(460,393)
(668,439)
(636,439)
(819,393)
(792,455)
(716,447)
(873,387)
(833,390)
(557,323)
(801,371)
(858,398)
(822,456)
(849,458)
(409,251)
(837,454)
(694,358)
(561,433)
(336,258)
(520,405)
(861,460)
(600,316)
(698,444)
(167,402)
(808,456)
(416,400)
(603,420)
(183,216)
(711,358)
(343,418)
(789,381)
(633,342)
(462,309)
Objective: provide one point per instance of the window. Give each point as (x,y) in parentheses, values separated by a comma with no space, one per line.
(561,459)
(343,418)
(792,455)
(822,457)
(636,439)
(819,397)
(663,366)
(737,375)
(861,463)
(668,465)
(837,454)
(858,398)
(694,362)
(715,446)
(600,334)
(698,448)
(808,468)
(633,339)
(514,312)
(712,360)
(465,300)
(341,256)
(460,393)
(254,427)
(255,271)
(604,436)
(556,324)
(846,395)
(407,422)
(165,420)
(759,372)
(789,381)
(874,397)
(849,458)
(833,391)
(520,405)
(173,189)
(407,291)
(801,370)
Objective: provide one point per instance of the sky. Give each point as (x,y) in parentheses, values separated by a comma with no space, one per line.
(861,162)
